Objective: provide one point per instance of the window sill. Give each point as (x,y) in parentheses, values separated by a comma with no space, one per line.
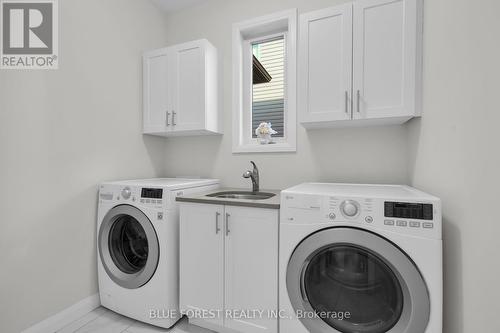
(280,147)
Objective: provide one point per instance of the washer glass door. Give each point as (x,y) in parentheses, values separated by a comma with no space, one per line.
(128,246)
(352,281)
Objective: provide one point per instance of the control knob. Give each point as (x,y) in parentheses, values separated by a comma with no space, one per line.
(350,208)
(126,193)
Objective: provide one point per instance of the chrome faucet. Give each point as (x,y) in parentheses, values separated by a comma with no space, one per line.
(254,176)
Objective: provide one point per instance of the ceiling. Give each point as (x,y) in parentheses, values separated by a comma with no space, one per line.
(175,5)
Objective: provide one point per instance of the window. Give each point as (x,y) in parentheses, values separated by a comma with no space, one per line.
(264,83)
(268,90)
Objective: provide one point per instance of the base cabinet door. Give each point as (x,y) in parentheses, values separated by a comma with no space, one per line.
(251,269)
(202,260)
(229,267)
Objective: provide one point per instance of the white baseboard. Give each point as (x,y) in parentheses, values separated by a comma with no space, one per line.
(65,317)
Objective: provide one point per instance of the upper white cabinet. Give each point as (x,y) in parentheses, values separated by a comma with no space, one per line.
(156,91)
(360,63)
(385,58)
(325,67)
(180,90)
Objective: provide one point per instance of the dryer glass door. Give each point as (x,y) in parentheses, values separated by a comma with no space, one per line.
(355,283)
(128,246)
(352,281)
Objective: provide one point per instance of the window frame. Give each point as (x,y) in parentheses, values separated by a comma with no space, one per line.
(245,34)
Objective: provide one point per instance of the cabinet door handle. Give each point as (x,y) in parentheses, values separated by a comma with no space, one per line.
(173,118)
(166,117)
(357,101)
(346,102)
(227,223)
(217,229)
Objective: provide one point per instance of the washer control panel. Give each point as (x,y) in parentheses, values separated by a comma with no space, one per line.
(151,196)
(132,195)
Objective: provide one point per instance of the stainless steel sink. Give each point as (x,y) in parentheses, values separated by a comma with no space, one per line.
(242,195)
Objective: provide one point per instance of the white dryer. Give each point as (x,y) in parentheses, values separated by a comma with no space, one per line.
(138,246)
(360,259)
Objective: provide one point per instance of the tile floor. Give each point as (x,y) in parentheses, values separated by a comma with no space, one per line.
(102,320)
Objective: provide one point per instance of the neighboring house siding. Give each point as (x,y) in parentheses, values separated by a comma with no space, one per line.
(268,98)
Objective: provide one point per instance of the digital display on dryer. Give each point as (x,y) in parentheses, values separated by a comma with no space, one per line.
(153,193)
(408,210)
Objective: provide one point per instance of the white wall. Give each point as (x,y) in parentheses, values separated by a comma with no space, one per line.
(61,133)
(362,155)
(455,153)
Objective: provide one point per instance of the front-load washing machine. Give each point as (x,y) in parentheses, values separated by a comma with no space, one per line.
(138,246)
(360,259)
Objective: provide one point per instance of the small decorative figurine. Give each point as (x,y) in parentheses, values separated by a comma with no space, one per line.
(264,133)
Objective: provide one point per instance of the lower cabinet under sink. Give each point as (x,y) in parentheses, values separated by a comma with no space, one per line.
(229,264)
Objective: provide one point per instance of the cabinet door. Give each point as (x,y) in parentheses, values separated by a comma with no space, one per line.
(156,91)
(385,58)
(251,267)
(189,87)
(202,259)
(325,65)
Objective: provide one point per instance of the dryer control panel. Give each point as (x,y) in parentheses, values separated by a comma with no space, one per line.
(412,210)
(420,217)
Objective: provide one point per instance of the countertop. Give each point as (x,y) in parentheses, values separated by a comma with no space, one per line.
(272,203)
